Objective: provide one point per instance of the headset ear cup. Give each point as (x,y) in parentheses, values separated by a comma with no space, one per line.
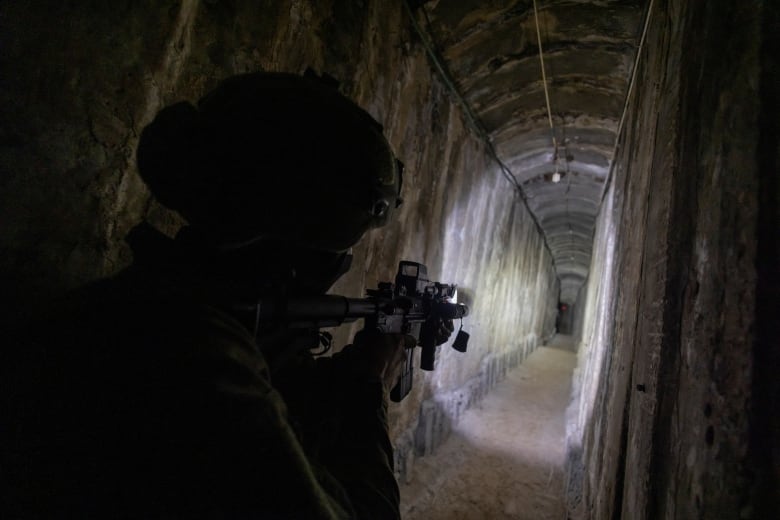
(167,155)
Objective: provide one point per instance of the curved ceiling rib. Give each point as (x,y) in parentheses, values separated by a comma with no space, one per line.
(491,52)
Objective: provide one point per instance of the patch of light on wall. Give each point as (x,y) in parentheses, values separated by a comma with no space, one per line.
(596,334)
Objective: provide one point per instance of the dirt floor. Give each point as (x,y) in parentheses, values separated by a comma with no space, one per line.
(505,457)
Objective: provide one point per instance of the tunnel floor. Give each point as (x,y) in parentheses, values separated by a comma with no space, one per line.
(505,457)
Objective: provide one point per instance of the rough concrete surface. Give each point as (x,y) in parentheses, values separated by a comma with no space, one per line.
(491,50)
(505,457)
(665,384)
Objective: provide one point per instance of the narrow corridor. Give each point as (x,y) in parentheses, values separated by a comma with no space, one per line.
(505,458)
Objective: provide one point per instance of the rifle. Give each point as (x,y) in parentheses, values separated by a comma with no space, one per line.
(413,305)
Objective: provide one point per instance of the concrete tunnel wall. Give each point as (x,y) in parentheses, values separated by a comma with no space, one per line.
(87,79)
(676,378)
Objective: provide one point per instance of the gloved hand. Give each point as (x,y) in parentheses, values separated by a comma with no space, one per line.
(443,333)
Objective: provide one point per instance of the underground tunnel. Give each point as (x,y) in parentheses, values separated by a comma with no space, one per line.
(599,178)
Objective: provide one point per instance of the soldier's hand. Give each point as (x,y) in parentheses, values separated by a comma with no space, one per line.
(443,333)
(384,354)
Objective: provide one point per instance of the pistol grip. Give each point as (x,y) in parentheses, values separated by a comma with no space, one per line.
(404,384)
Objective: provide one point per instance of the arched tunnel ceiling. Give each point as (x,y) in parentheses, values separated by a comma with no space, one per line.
(489,49)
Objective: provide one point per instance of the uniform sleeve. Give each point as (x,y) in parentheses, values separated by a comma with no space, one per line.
(348,435)
(260,462)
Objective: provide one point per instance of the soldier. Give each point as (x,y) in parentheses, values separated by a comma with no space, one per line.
(151,394)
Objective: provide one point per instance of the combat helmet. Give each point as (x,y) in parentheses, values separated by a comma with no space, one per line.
(273,156)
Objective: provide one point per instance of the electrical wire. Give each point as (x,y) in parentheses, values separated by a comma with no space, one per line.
(630,90)
(546,91)
(556,174)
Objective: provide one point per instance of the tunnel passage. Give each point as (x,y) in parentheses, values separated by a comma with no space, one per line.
(652,216)
(555,132)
